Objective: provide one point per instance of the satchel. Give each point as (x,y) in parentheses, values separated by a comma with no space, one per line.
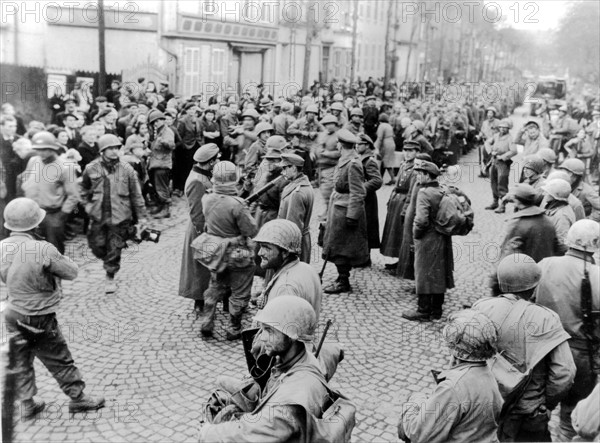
(506,369)
(337,422)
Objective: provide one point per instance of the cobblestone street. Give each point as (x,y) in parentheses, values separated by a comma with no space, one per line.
(141,348)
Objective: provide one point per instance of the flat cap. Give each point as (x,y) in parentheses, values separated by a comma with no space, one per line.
(291,160)
(532,122)
(346,136)
(371,97)
(429,167)
(100,99)
(206,153)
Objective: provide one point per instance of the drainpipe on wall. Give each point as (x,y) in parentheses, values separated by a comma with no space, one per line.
(172,55)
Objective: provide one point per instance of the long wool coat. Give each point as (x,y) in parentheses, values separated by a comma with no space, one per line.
(393,230)
(194,277)
(345,244)
(434,262)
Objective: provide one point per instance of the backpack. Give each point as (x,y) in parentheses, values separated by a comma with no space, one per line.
(455,215)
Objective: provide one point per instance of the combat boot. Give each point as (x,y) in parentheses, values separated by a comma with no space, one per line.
(85,403)
(31,407)
(342,284)
(501,209)
(416,315)
(164,213)
(493,206)
(234,332)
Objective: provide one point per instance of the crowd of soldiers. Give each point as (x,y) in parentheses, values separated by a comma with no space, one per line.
(248,169)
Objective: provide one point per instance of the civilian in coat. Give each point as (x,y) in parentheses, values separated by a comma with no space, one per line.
(297,199)
(434,263)
(88,148)
(345,242)
(160,161)
(373,182)
(194,277)
(386,146)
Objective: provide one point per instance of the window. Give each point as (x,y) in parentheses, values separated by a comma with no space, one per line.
(191,71)
(336,63)
(218,67)
(348,62)
(368,13)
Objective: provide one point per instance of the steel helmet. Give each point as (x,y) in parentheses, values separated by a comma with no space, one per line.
(584,235)
(275,142)
(505,123)
(108,141)
(558,174)
(224,172)
(44,140)
(419,125)
(282,233)
(312,108)
(559,189)
(251,113)
(470,335)
(337,97)
(337,106)
(535,163)
(290,315)
(517,273)
(573,165)
(22,214)
(328,119)
(547,154)
(154,115)
(262,127)
(356,111)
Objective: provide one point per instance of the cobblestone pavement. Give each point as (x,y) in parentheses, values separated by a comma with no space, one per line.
(141,349)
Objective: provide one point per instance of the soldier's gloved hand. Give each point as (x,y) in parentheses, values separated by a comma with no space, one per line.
(351,223)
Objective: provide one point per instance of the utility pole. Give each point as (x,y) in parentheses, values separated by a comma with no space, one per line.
(310,31)
(101,50)
(354,37)
(386,75)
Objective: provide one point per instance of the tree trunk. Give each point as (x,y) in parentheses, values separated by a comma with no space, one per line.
(310,18)
(410,47)
(101,50)
(354,36)
(387,55)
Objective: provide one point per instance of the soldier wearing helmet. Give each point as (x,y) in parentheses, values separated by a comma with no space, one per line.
(225,249)
(295,391)
(563,129)
(267,206)
(537,343)
(258,149)
(52,184)
(327,154)
(280,244)
(355,125)
(502,149)
(573,201)
(32,271)
(561,289)
(160,161)
(556,206)
(580,189)
(532,174)
(307,129)
(243,136)
(489,127)
(338,110)
(113,200)
(297,199)
(471,339)
(531,138)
